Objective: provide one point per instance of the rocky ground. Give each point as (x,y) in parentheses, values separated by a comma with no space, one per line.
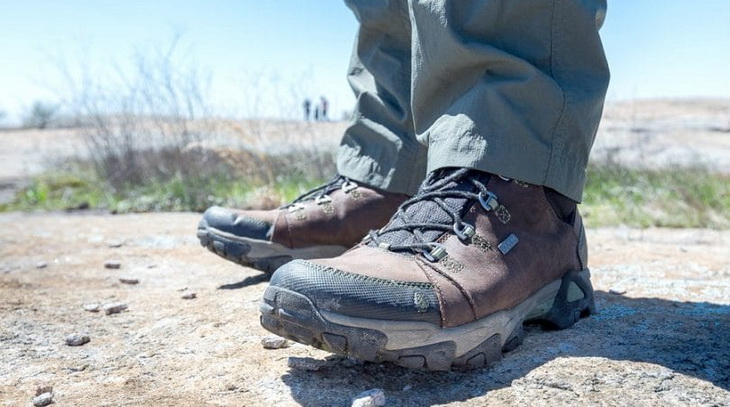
(661,336)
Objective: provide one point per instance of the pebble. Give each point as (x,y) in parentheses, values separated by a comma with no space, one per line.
(275,342)
(114,308)
(115,243)
(43,399)
(92,307)
(130,281)
(309,364)
(77,340)
(189,296)
(112,264)
(370,398)
(41,265)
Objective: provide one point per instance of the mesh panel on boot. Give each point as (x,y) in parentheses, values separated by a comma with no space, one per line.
(361,296)
(427,211)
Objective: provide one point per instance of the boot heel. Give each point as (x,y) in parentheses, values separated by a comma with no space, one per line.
(573,301)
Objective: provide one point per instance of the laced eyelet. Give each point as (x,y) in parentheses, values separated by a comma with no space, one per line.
(466,232)
(488,202)
(321,200)
(348,186)
(436,254)
(296,207)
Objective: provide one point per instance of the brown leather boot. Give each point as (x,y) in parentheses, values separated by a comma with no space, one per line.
(448,282)
(323,222)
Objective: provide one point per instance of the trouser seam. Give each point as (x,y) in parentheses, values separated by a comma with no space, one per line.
(553,75)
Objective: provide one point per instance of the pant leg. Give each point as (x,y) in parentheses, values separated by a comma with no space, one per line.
(379,148)
(513,87)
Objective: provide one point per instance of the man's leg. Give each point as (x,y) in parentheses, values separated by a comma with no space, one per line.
(501,88)
(380,148)
(379,163)
(525,90)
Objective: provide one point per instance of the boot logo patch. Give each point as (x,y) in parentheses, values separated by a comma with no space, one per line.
(508,244)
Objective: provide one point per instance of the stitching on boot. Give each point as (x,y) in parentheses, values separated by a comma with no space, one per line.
(361,277)
(354,193)
(452,265)
(465,293)
(481,243)
(327,208)
(421,303)
(503,214)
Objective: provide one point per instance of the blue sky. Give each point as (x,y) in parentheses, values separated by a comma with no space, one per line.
(283,50)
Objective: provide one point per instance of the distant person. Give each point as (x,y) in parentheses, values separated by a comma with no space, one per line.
(316,113)
(453,219)
(323,107)
(307,105)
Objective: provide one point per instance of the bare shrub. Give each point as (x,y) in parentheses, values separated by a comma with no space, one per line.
(154,127)
(40,115)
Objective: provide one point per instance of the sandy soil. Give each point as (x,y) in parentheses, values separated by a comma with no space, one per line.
(661,336)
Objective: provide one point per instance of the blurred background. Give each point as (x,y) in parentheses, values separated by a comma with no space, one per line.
(285,51)
(138,105)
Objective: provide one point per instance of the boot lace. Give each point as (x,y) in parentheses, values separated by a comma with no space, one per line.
(321,194)
(411,231)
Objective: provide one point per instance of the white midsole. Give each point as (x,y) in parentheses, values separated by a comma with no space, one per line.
(263,249)
(410,334)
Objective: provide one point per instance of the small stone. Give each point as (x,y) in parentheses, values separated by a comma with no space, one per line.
(112,264)
(114,308)
(76,369)
(617,291)
(407,387)
(275,342)
(43,399)
(77,340)
(130,281)
(309,364)
(41,265)
(92,307)
(370,398)
(115,243)
(189,296)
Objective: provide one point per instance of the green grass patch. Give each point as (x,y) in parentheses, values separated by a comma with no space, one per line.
(81,189)
(614,195)
(676,197)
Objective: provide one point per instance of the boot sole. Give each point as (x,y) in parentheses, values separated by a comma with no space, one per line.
(262,255)
(422,345)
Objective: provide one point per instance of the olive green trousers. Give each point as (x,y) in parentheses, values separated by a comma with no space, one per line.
(511,87)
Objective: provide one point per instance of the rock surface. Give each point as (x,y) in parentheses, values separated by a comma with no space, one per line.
(661,337)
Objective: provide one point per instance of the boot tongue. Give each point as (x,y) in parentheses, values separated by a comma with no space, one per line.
(427,211)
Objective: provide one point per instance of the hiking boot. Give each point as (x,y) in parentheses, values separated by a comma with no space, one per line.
(448,282)
(323,222)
